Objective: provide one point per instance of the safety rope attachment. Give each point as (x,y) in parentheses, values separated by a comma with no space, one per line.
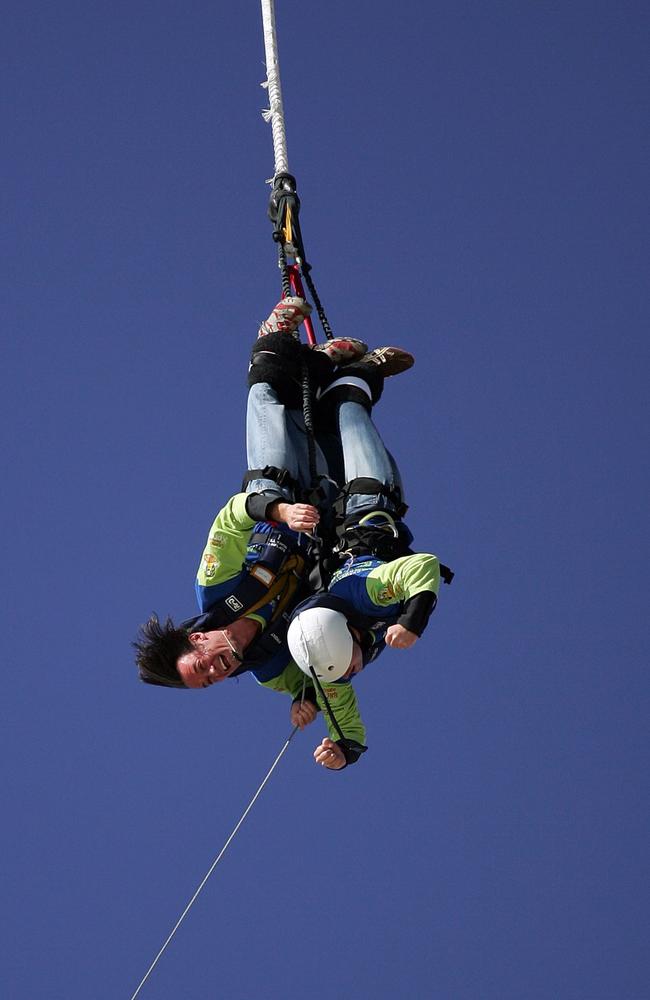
(214,863)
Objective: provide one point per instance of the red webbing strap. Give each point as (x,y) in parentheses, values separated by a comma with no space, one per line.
(297,289)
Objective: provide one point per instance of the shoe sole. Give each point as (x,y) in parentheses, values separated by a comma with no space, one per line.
(389,360)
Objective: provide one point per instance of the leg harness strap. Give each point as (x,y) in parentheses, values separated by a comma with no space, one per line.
(280,476)
(366,485)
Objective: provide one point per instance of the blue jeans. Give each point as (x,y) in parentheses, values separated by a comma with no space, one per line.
(365,455)
(276,436)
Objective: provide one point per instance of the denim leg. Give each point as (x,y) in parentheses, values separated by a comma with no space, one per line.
(276,436)
(267,441)
(364,454)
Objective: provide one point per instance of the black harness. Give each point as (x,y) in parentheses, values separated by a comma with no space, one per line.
(280,476)
(280,564)
(379,540)
(315,495)
(364,484)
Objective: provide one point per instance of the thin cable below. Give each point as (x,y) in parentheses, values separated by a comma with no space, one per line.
(214,864)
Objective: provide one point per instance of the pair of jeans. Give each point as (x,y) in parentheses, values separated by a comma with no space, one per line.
(276,436)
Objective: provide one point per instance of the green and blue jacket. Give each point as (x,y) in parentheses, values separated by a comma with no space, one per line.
(255,569)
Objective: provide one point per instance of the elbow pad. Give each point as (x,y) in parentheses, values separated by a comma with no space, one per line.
(257,503)
(417,611)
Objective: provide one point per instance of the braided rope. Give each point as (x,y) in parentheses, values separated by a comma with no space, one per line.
(308,417)
(284,271)
(327,329)
(275,112)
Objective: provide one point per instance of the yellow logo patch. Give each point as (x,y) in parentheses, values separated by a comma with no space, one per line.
(211,564)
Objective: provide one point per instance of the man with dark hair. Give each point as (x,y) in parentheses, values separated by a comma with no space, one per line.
(260,549)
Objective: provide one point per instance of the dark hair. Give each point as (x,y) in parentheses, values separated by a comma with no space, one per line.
(158,646)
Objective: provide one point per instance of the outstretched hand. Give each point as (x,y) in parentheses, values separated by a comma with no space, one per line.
(297,516)
(399,637)
(329,755)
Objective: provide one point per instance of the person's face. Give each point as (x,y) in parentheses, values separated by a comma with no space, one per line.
(356,663)
(214,656)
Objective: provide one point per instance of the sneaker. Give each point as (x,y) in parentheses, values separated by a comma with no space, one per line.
(286,317)
(388,360)
(342,350)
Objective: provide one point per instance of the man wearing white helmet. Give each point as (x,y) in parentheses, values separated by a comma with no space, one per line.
(381,593)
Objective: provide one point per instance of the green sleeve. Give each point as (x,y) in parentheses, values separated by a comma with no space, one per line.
(341,696)
(403,578)
(225,549)
(290,681)
(343,702)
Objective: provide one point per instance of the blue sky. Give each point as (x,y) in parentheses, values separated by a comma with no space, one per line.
(473,189)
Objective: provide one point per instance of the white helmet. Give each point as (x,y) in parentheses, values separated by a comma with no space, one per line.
(320,638)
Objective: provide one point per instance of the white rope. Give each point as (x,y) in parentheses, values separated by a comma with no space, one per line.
(275,112)
(214,864)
